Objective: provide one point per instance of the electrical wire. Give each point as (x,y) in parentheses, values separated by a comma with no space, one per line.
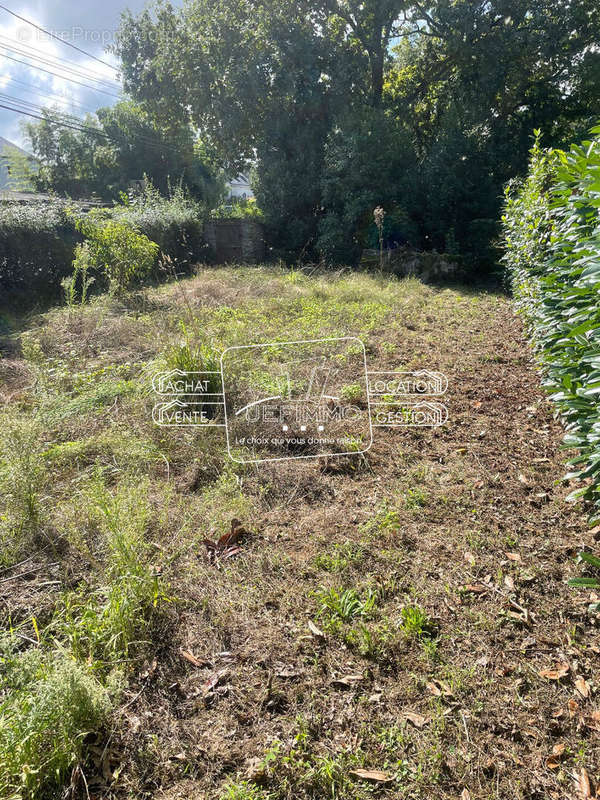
(56,62)
(33,89)
(58,38)
(63,77)
(30,109)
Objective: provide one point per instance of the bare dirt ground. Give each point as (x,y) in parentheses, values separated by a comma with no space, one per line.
(396,625)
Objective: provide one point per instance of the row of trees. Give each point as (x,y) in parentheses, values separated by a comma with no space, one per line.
(342,105)
(424,108)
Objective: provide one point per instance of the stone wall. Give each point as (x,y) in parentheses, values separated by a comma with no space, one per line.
(235,240)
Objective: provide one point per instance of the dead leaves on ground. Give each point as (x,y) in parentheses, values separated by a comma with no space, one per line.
(347,681)
(583,785)
(418,720)
(553,761)
(372,775)
(556,673)
(228,544)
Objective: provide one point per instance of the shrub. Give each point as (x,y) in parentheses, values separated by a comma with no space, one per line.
(48,703)
(38,241)
(175,223)
(36,247)
(552,251)
(238,209)
(103,625)
(114,249)
(22,477)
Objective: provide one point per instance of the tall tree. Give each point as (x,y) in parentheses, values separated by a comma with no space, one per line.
(304,87)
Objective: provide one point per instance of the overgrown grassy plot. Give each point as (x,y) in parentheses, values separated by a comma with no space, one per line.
(383,627)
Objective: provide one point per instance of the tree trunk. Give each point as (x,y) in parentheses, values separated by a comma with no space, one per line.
(376,58)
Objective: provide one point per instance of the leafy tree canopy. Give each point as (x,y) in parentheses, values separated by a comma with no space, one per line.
(425,109)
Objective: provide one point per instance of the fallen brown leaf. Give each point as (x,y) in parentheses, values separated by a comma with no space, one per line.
(553,761)
(347,680)
(418,720)
(592,721)
(192,658)
(475,588)
(214,680)
(573,706)
(556,674)
(373,775)
(582,687)
(314,630)
(439,689)
(582,784)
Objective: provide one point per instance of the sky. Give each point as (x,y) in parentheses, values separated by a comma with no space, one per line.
(88,24)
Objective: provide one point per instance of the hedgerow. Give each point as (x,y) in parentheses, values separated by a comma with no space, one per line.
(551,228)
(38,241)
(36,246)
(175,223)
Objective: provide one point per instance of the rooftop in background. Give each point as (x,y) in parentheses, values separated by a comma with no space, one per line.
(239,188)
(4,174)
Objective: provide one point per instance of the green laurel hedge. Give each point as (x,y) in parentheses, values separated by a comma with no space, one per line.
(551,227)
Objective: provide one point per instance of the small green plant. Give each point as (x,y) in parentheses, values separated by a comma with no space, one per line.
(114,249)
(385,521)
(342,556)
(345,604)
(352,392)
(103,624)
(48,703)
(375,642)
(243,790)
(416,623)
(81,266)
(587,583)
(22,477)
(415,498)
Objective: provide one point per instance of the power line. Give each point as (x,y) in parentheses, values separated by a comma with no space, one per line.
(58,38)
(63,124)
(80,73)
(47,58)
(35,106)
(77,124)
(33,89)
(63,77)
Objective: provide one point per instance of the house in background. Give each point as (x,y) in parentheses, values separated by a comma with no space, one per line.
(238,188)
(8,180)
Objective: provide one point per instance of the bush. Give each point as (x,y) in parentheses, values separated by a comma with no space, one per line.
(175,223)
(36,247)
(114,249)
(39,242)
(48,703)
(245,208)
(552,243)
